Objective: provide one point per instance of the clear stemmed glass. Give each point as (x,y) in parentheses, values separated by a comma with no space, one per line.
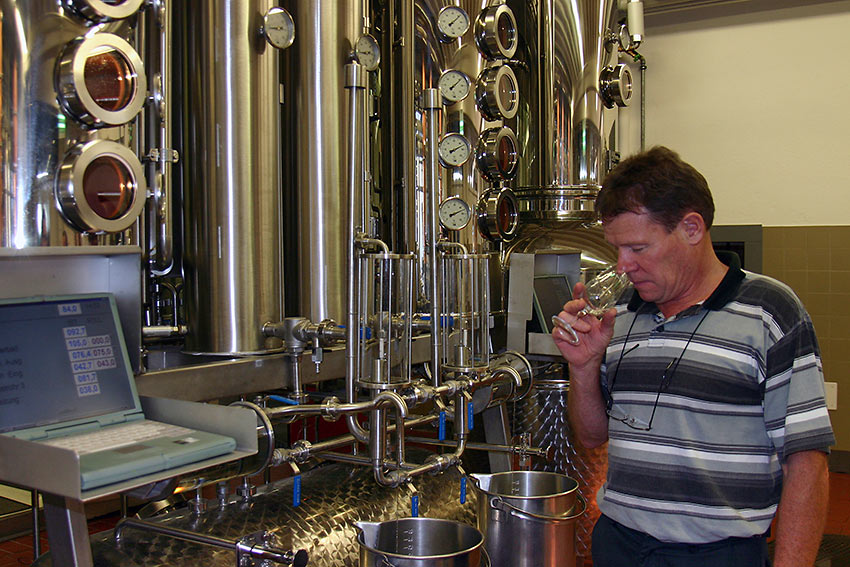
(600,294)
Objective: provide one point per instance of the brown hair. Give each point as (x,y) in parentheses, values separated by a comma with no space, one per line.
(659,182)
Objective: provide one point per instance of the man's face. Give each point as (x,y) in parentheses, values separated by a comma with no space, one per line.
(656,261)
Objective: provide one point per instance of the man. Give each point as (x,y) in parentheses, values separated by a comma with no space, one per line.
(706,382)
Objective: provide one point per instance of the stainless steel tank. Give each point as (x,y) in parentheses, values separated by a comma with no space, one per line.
(71,86)
(579,78)
(314,149)
(231,177)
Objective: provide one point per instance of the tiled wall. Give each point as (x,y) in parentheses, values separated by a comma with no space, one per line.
(815,261)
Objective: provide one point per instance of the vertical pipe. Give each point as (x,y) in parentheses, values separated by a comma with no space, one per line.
(432,104)
(355,83)
(406,108)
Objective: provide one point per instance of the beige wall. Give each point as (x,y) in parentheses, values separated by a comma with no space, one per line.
(758,102)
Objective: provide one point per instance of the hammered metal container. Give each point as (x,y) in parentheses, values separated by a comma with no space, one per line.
(543,413)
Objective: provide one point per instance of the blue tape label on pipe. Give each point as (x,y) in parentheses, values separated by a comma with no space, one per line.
(296,490)
(463,490)
(441,435)
(414,506)
(470,413)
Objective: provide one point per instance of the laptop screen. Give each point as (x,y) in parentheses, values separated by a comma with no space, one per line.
(61,359)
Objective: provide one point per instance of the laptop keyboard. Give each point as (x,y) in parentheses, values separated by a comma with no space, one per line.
(117,436)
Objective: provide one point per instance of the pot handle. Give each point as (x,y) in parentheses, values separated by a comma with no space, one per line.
(503,506)
(385,562)
(487,562)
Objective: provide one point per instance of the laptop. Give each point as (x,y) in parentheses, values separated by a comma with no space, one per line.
(551,292)
(65,380)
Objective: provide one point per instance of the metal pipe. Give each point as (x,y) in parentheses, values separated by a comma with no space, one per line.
(244,548)
(305,449)
(512,449)
(356,83)
(373,242)
(163,331)
(163,228)
(333,408)
(448,246)
(642,103)
(432,104)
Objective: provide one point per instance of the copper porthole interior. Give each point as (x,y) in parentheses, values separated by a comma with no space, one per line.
(506,155)
(507,32)
(109,187)
(110,79)
(505,215)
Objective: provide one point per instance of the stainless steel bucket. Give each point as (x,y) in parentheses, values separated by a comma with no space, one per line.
(420,542)
(528,517)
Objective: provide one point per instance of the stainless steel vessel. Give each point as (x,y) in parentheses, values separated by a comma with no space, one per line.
(71,86)
(232,178)
(528,518)
(419,542)
(316,119)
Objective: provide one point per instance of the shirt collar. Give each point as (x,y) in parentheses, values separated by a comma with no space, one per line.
(721,295)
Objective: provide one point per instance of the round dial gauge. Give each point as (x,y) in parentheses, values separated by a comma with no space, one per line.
(453,21)
(367,52)
(279,28)
(455,213)
(454,149)
(454,85)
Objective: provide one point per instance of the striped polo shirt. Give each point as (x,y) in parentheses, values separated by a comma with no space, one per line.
(746,392)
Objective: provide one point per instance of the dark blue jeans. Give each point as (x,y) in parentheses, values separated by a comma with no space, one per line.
(615,545)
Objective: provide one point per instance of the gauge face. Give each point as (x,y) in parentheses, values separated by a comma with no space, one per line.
(367,52)
(455,213)
(454,150)
(453,21)
(454,85)
(279,28)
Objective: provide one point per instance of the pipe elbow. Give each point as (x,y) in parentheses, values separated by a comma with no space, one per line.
(391,398)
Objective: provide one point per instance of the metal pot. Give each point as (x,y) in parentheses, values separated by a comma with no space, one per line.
(420,542)
(528,517)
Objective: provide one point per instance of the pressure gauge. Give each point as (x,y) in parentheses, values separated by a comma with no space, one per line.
(497,154)
(454,85)
(624,38)
(454,149)
(455,213)
(496,93)
(367,52)
(453,21)
(496,32)
(278,28)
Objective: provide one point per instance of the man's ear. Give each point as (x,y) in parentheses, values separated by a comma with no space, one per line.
(693,226)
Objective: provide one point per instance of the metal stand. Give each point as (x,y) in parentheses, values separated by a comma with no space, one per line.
(67,531)
(496,431)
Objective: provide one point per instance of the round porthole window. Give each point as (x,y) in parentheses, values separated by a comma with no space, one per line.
(101,187)
(100,80)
